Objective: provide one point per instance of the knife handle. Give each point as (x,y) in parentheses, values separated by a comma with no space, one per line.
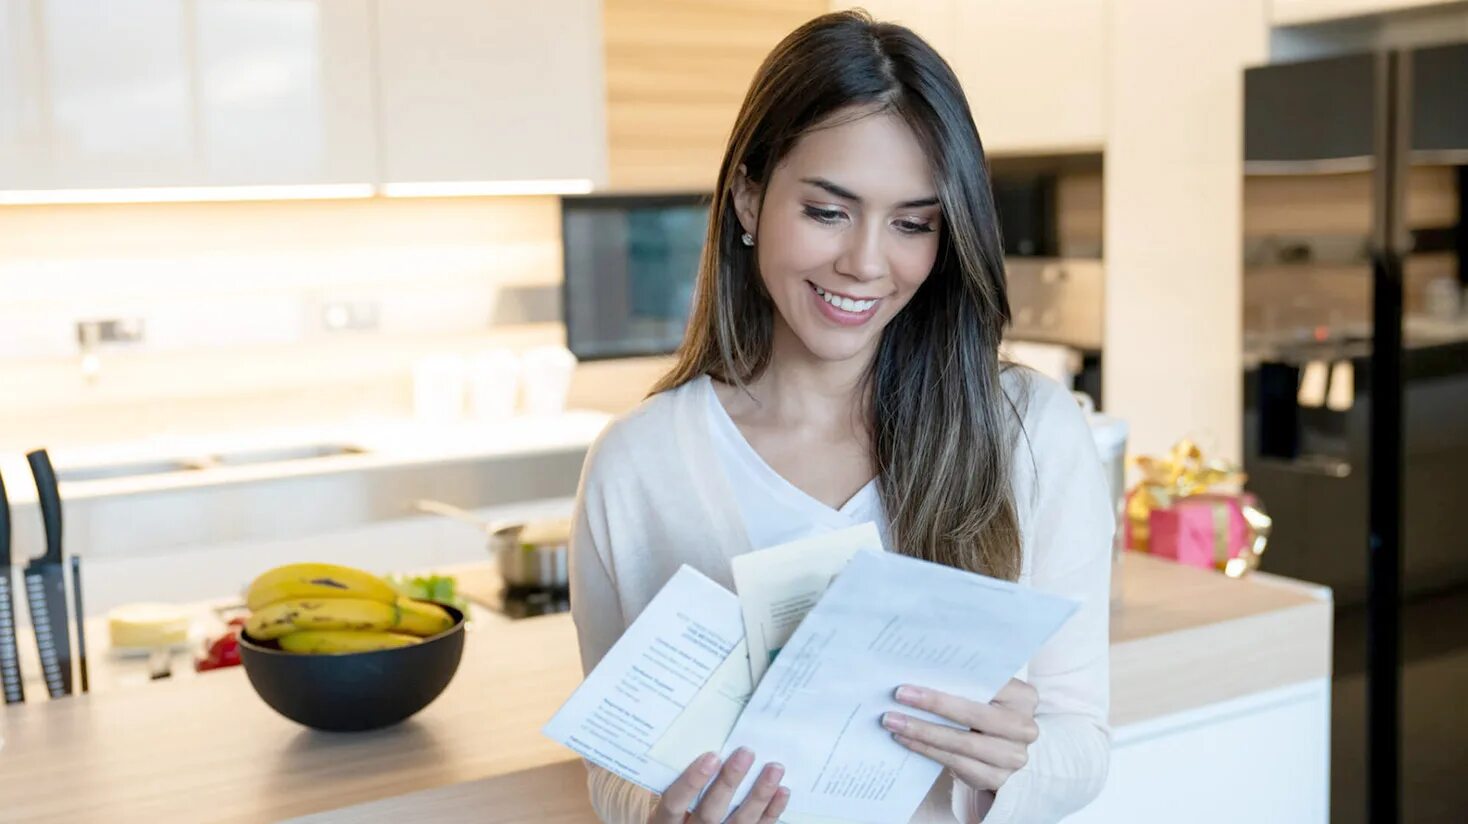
(50,500)
(81,620)
(4,530)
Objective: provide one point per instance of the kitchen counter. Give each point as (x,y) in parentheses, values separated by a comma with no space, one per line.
(376,445)
(207,749)
(471,464)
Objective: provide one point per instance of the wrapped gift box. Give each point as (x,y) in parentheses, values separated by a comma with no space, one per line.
(1201,530)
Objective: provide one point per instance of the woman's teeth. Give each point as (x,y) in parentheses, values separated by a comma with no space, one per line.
(845,304)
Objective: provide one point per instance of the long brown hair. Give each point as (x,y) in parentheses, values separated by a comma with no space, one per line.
(940,423)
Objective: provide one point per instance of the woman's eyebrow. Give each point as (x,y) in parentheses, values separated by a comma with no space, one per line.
(847,194)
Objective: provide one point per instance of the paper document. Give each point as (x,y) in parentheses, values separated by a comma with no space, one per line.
(648,678)
(886,620)
(709,716)
(779,585)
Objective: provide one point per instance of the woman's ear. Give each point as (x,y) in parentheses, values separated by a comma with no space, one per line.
(746,200)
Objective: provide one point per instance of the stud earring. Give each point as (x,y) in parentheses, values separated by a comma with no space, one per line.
(747,238)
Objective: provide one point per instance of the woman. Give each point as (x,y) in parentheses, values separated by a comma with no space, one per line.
(841,365)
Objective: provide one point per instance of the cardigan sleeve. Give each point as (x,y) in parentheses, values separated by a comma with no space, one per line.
(597,613)
(1071,527)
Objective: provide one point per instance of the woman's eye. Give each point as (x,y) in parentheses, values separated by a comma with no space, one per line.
(820,215)
(913,227)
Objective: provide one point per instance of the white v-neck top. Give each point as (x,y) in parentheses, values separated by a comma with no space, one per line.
(664,485)
(773,510)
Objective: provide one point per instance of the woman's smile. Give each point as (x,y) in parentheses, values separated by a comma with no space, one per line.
(845,310)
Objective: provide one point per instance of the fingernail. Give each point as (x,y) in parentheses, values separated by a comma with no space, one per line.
(774,772)
(708,763)
(783,791)
(906,693)
(741,759)
(894,721)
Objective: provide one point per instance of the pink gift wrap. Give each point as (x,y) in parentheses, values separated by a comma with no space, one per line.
(1200,530)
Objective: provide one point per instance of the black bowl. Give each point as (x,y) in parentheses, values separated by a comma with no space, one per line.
(355,691)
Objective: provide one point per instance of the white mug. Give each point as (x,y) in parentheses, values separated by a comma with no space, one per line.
(547,372)
(494,383)
(438,387)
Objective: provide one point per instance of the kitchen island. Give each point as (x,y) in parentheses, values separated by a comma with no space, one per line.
(1220,699)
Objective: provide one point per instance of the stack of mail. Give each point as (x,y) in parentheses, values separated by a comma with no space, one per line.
(799,668)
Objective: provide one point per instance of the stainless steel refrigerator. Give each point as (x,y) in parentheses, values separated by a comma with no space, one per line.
(1356,341)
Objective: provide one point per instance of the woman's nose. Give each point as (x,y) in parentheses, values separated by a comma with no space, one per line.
(863,258)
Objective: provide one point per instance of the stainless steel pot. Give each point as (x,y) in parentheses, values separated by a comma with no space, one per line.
(531,555)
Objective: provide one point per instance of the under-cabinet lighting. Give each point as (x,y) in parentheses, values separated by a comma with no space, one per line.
(187,194)
(480,188)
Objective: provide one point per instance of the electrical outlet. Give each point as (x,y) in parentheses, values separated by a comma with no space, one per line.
(109,330)
(349,315)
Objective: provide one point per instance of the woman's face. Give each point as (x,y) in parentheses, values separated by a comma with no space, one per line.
(847,232)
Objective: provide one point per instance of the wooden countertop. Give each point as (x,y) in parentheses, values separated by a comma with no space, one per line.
(1185,637)
(207,749)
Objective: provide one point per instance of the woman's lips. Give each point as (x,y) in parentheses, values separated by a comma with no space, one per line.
(840,316)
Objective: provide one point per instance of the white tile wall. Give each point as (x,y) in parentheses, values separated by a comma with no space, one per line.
(258,299)
(231,295)
(224,275)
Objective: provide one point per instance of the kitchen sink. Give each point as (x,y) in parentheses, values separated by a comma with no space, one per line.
(241,457)
(126,470)
(285,453)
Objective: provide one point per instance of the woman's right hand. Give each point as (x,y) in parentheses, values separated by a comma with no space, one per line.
(765,803)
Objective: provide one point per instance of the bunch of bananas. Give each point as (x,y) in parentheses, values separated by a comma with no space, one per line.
(326,609)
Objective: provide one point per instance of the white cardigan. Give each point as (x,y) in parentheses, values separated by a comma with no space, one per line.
(652,497)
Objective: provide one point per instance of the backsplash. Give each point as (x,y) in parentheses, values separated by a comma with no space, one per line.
(240,274)
(233,300)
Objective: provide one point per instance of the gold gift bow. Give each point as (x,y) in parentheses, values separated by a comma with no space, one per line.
(1259,526)
(1184,472)
(1181,473)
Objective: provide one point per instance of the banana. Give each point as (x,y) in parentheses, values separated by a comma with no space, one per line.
(284,617)
(295,581)
(422,618)
(340,642)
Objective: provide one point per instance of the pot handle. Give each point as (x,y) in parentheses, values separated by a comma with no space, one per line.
(451,511)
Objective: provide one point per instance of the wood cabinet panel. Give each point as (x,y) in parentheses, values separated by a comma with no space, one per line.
(676,75)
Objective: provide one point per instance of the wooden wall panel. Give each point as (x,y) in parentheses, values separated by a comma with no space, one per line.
(676,74)
(1303,205)
(1078,211)
(1341,204)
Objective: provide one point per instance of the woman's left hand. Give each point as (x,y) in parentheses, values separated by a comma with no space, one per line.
(994,741)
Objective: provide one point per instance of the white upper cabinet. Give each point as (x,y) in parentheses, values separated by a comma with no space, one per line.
(284,91)
(99,94)
(142,94)
(1033,70)
(25,133)
(117,92)
(491,90)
